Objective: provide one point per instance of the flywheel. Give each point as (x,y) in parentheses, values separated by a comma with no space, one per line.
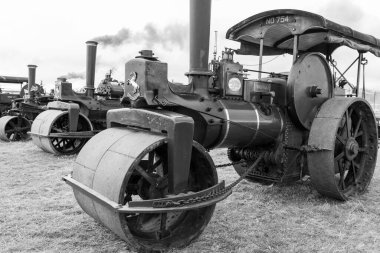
(309,85)
(343,148)
(50,122)
(126,165)
(14,128)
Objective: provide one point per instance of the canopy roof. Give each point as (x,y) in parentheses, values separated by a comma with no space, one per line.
(316,34)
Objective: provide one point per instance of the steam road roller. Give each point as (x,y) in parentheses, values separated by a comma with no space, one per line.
(74,117)
(149,178)
(6,96)
(15,123)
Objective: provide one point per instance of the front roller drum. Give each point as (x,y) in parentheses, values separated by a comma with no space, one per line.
(125,165)
(52,122)
(14,128)
(343,148)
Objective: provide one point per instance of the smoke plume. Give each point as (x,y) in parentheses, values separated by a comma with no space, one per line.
(119,38)
(74,75)
(168,37)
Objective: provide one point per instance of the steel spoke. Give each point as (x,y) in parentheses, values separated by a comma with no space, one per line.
(56,130)
(164,217)
(156,164)
(12,124)
(13,138)
(73,143)
(64,143)
(360,133)
(341,175)
(350,111)
(150,161)
(363,149)
(59,141)
(353,171)
(357,126)
(23,128)
(145,175)
(340,139)
(338,157)
(348,125)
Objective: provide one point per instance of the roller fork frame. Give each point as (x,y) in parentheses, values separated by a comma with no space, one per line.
(179,130)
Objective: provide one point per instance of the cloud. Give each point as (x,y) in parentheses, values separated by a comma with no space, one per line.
(344,11)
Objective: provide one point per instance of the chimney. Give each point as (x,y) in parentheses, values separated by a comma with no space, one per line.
(90,68)
(200,14)
(31,77)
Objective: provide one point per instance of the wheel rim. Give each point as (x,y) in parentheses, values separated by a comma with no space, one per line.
(352,145)
(147,179)
(345,164)
(15,129)
(68,146)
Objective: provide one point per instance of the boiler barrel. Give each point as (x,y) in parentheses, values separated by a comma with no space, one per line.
(247,124)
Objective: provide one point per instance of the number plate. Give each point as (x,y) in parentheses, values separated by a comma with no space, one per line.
(278,20)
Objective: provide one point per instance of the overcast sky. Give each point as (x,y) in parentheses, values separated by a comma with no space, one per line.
(52,34)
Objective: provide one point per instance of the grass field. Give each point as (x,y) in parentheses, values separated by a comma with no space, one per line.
(38,213)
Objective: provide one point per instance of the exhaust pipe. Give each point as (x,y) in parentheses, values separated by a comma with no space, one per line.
(31,77)
(90,68)
(200,15)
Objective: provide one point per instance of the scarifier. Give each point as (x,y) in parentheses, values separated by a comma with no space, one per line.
(149,177)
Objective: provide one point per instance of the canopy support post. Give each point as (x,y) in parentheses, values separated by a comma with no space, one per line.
(364,62)
(261,57)
(358,74)
(295,48)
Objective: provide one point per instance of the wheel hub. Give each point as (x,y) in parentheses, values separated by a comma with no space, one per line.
(351,148)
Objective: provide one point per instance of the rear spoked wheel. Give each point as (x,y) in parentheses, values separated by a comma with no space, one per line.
(345,132)
(14,128)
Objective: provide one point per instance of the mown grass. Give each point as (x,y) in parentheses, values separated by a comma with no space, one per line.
(38,212)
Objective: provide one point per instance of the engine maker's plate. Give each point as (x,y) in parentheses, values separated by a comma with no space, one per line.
(309,72)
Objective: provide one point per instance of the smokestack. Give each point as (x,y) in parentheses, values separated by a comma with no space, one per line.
(200,14)
(90,68)
(31,77)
